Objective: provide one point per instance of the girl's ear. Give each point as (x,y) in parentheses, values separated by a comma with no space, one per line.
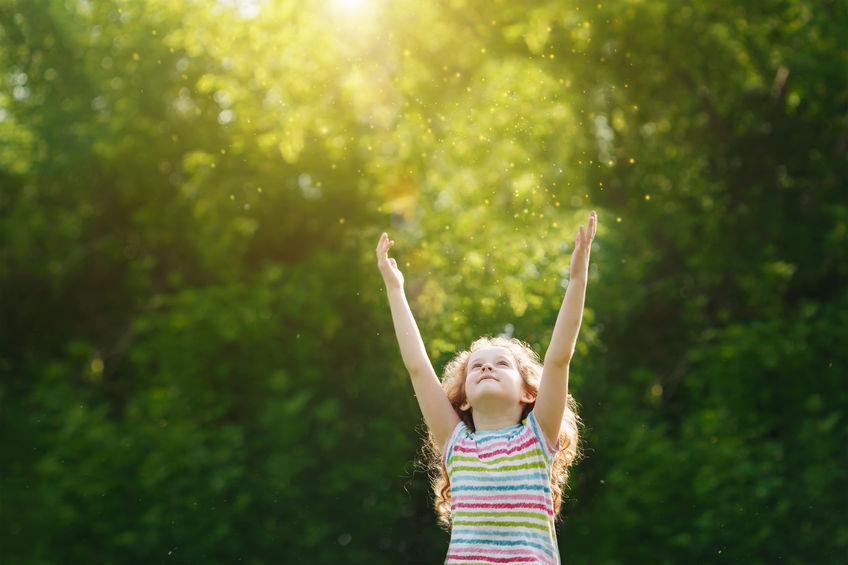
(527,397)
(465,406)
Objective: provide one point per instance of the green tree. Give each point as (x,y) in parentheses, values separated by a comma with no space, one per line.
(197,359)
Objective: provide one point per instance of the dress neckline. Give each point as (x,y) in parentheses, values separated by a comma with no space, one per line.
(498,431)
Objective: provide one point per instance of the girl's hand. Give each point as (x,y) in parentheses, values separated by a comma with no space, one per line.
(582,246)
(388,266)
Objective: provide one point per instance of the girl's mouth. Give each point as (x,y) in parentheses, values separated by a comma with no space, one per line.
(484,377)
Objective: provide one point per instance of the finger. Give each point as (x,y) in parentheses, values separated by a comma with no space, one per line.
(393,263)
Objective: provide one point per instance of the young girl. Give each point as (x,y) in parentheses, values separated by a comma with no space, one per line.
(504,424)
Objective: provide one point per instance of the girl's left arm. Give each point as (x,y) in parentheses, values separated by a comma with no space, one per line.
(553,390)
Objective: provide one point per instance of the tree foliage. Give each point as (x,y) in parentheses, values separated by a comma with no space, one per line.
(197,359)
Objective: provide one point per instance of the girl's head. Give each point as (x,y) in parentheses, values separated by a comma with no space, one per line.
(518,371)
(494,370)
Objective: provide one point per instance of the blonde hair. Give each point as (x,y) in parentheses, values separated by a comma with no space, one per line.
(530,368)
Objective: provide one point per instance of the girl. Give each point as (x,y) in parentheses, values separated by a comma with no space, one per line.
(504,424)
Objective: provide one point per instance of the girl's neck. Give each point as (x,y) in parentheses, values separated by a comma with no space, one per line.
(496,420)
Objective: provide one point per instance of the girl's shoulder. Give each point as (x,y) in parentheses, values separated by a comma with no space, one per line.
(459,431)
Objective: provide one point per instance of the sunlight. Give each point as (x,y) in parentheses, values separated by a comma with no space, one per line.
(247,9)
(350,6)
(356,20)
(351,10)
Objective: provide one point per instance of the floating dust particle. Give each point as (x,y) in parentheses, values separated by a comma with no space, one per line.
(618,220)
(341,220)
(135,57)
(258,189)
(212,165)
(232,196)
(647,197)
(632,160)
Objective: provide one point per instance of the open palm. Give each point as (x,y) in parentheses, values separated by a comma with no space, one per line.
(387,265)
(582,246)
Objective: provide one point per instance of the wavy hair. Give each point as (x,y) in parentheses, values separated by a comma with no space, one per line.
(530,368)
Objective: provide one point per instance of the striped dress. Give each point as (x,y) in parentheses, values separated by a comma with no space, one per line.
(501,505)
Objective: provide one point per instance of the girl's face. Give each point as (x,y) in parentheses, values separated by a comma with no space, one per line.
(492,377)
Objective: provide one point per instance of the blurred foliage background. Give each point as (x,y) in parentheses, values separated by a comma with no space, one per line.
(197,363)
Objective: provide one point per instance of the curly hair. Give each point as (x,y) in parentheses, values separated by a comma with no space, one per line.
(530,368)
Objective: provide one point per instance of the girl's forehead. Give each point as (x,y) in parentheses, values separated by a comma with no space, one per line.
(490,353)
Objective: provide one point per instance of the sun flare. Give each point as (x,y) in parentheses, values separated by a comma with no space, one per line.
(350,6)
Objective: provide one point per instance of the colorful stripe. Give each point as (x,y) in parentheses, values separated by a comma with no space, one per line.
(501,503)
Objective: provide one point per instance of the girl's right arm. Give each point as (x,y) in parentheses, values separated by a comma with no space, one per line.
(438,413)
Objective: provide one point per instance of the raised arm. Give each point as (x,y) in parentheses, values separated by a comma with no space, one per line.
(435,406)
(553,390)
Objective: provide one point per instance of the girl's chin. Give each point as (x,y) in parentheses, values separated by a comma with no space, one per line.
(492,393)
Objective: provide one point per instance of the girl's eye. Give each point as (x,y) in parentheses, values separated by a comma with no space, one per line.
(503,363)
(475,365)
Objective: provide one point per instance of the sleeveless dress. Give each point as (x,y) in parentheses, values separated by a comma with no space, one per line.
(501,503)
